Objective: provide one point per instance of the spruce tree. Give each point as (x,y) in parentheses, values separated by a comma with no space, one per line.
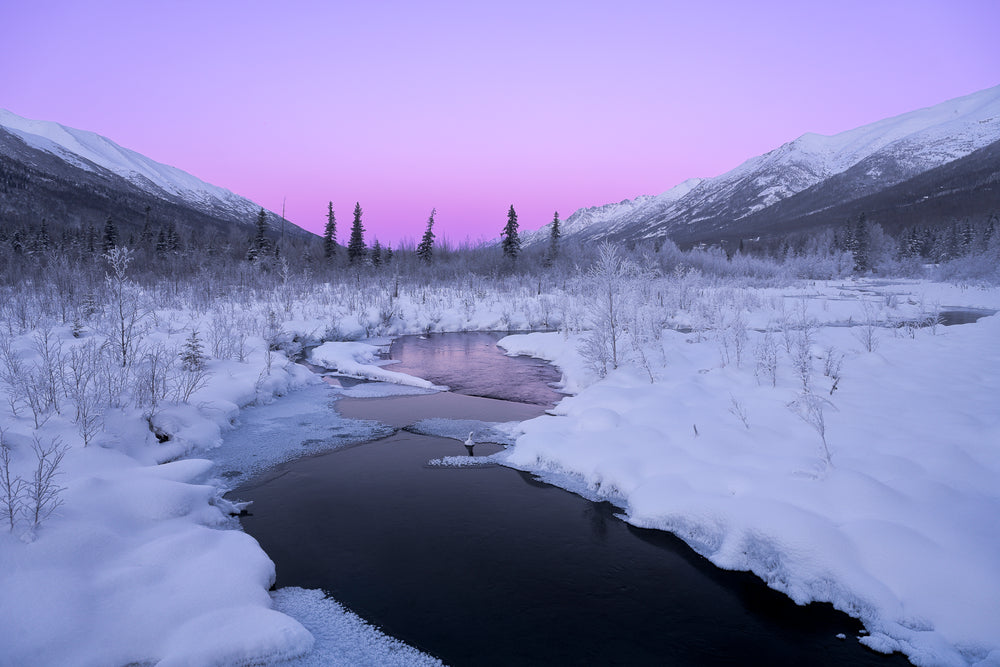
(425,251)
(859,244)
(330,233)
(554,234)
(376,254)
(91,239)
(356,249)
(110,236)
(258,247)
(511,241)
(42,239)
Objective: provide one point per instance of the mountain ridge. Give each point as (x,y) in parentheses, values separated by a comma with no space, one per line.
(861,162)
(66,155)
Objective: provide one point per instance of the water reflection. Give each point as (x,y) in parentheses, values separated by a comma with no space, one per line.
(471,364)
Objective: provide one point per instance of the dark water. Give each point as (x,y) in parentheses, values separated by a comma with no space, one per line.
(963,315)
(488,566)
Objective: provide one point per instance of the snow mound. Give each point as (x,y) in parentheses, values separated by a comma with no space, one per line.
(237,636)
(361,360)
(381,390)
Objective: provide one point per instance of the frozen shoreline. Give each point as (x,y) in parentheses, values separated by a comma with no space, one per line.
(899,531)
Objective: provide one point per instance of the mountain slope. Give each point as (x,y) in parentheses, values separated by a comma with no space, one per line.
(786,187)
(65,164)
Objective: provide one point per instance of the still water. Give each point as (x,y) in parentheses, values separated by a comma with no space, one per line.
(488,566)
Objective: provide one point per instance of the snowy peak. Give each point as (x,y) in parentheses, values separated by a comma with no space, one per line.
(92,152)
(862,161)
(600,215)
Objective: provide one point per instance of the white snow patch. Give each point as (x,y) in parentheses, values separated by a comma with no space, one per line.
(361,360)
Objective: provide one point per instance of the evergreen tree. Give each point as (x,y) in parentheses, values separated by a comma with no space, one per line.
(330,233)
(376,254)
(425,251)
(193,353)
(110,235)
(356,249)
(258,245)
(146,235)
(911,243)
(511,241)
(91,239)
(860,245)
(260,240)
(173,238)
(387,255)
(42,239)
(554,235)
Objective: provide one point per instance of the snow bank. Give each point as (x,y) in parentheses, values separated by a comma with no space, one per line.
(361,360)
(900,531)
(141,564)
(136,570)
(557,348)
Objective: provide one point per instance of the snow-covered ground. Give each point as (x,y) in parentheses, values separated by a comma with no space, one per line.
(141,563)
(893,519)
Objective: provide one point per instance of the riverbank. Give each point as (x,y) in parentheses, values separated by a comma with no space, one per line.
(872,487)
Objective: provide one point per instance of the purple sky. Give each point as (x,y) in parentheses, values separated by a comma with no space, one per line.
(471,107)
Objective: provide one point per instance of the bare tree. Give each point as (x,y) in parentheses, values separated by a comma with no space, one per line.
(126,316)
(81,384)
(809,407)
(12,488)
(43,494)
(738,410)
(608,279)
(767,359)
(867,333)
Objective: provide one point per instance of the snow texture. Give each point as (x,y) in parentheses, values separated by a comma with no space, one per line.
(342,639)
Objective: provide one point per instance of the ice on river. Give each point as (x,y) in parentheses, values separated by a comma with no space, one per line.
(501,433)
(284,430)
(342,638)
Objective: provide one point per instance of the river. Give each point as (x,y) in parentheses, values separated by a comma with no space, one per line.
(485,565)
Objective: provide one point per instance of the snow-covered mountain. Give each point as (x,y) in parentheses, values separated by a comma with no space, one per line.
(33,143)
(817,171)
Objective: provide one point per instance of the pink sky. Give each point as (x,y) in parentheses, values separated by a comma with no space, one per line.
(471,107)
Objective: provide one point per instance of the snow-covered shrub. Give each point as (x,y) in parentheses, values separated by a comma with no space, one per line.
(609,281)
(42,493)
(13,489)
(867,332)
(766,355)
